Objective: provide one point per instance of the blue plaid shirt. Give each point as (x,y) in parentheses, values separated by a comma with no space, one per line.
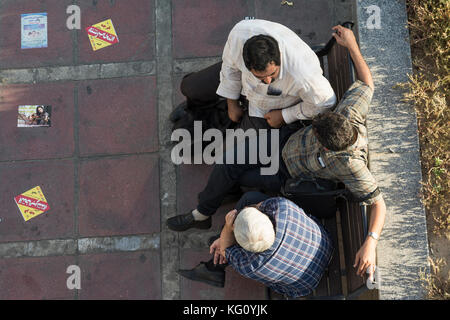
(297,259)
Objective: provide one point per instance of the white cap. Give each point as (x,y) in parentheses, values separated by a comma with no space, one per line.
(253,230)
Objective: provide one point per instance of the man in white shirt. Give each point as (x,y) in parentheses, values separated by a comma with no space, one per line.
(267,69)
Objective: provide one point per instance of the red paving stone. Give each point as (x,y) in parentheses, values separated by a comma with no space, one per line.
(126,275)
(60,44)
(133,21)
(37,143)
(178,97)
(311,20)
(200,28)
(35,278)
(236,287)
(118,116)
(119,196)
(56,179)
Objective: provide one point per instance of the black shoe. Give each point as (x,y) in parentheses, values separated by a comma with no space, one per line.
(201,273)
(186,221)
(179,112)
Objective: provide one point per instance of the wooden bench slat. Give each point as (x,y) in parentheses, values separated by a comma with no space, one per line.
(350,213)
(330,283)
(334,268)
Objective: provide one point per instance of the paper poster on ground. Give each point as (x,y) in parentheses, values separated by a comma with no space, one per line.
(34,30)
(34,116)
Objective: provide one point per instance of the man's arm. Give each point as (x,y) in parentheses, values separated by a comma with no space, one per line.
(227,235)
(362,185)
(346,38)
(366,255)
(235,111)
(318,97)
(230,74)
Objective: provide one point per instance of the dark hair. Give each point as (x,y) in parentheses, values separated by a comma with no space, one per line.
(334,131)
(259,51)
(37,109)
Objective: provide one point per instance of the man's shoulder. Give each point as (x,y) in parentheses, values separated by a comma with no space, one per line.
(280,204)
(356,102)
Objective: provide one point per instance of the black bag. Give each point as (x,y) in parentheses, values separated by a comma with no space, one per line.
(316,197)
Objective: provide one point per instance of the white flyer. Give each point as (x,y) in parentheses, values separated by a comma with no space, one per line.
(34,30)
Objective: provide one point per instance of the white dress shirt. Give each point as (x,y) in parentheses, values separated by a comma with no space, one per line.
(300,90)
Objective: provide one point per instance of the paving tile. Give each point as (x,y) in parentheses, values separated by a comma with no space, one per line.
(103,276)
(194,290)
(56,179)
(35,278)
(133,21)
(236,287)
(42,142)
(178,96)
(311,20)
(201,28)
(60,47)
(118,116)
(119,196)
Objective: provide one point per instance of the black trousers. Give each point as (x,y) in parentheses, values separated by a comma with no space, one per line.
(200,88)
(226,177)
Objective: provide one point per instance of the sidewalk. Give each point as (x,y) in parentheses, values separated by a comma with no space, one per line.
(104,165)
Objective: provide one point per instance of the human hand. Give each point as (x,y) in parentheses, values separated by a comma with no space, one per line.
(229,219)
(215,249)
(274,118)
(365,258)
(344,36)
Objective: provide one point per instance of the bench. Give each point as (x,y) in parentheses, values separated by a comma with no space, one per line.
(348,228)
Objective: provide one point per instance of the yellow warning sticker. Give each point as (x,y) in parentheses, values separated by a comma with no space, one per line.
(102,35)
(32,203)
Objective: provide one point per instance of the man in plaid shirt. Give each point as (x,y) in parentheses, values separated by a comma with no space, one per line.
(334,147)
(297,259)
(291,261)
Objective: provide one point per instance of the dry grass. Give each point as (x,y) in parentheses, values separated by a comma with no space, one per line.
(428,89)
(437,287)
